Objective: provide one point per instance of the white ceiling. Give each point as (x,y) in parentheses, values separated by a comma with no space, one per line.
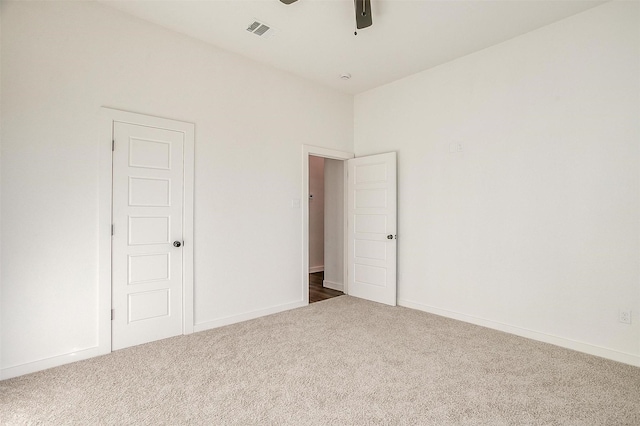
(314,38)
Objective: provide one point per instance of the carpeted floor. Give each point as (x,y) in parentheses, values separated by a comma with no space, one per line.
(343,361)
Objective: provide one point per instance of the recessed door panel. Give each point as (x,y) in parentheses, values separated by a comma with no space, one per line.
(371,250)
(149,192)
(370,198)
(370,223)
(371,173)
(149,154)
(148,305)
(149,267)
(149,230)
(370,275)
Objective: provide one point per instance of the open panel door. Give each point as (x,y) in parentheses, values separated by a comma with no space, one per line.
(371,228)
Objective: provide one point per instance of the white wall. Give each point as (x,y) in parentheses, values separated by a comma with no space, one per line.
(534,227)
(334,224)
(316,214)
(1,8)
(62,61)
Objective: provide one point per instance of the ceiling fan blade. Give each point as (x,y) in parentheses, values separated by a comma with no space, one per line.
(288,1)
(364,18)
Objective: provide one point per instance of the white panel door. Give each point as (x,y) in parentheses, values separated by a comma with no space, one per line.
(371,228)
(147,240)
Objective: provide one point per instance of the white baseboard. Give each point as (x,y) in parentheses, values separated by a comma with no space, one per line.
(46,363)
(207,325)
(530,334)
(333,285)
(314,269)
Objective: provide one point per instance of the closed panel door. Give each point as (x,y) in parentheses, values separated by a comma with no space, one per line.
(147,239)
(371,228)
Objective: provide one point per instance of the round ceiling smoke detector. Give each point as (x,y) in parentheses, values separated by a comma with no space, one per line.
(345,76)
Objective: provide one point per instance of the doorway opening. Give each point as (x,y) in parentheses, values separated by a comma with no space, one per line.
(326,212)
(320,277)
(369,239)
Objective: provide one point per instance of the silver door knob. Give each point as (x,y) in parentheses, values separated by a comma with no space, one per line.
(389,237)
(177,243)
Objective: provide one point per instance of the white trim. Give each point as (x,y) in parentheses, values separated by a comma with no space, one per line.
(105,180)
(54,361)
(333,154)
(587,348)
(345,233)
(110,116)
(333,285)
(188,301)
(207,325)
(314,269)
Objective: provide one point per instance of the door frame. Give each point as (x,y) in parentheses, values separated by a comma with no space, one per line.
(309,150)
(105,194)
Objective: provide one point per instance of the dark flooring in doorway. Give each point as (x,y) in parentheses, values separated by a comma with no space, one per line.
(317,292)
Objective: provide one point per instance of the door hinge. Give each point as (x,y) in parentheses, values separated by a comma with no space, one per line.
(113,315)
(113,144)
(113,229)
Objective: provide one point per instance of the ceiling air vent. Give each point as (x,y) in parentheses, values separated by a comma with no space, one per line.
(260,29)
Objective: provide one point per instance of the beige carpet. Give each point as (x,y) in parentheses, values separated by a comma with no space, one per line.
(343,361)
